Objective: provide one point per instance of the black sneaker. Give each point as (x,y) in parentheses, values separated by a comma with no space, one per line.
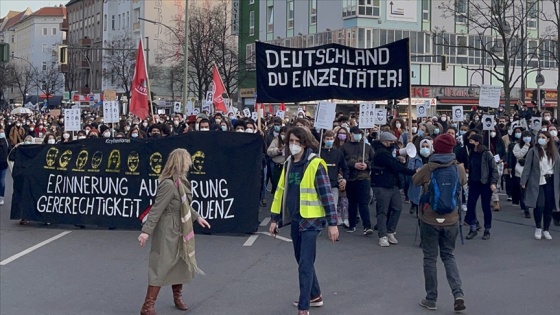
(486,235)
(528,214)
(556,222)
(459,305)
(368,231)
(263,203)
(431,305)
(471,235)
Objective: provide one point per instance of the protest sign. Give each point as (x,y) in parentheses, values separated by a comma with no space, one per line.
(72,120)
(110,111)
(111,182)
(380,116)
(177,107)
(280,113)
(489,96)
(457,113)
(332,71)
(421,110)
(324,115)
(487,122)
(246,112)
(367,115)
(536,123)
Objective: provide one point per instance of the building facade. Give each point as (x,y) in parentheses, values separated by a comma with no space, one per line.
(436,28)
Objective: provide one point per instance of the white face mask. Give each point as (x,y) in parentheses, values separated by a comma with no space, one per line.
(81,137)
(107,134)
(249,130)
(282,137)
(492,134)
(398,125)
(87,131)
(145,124)
(240,130)
(295,148)
(547,118)
(204,129)
(66,136)
(414,129)
(554,133)
(443,118)
(51,141)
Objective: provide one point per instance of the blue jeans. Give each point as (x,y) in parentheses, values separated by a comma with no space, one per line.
(3,182)
(443,237)
(389,208)
(305,249)
(477,189)
(358,196)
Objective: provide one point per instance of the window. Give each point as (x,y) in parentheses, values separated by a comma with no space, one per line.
(290,13)
(119,25)
(533,49)
(45,31)
(113,23)
(349,8)
(426,10)
(462,45)
(252,2)
(54,31)
(105,22)
(250,56)
(312,12)
(251,23)
(270,18)
(532,13)
(368,7)
(45,47)
(44,66)
(461,9)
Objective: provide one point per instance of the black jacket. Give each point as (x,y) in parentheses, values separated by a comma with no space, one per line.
(4,151)
(353,153)
(387,168)
(335,164)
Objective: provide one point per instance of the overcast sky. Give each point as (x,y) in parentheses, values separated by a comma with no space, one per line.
(20,5)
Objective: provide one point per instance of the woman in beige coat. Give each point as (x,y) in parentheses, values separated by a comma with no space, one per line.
(170,223)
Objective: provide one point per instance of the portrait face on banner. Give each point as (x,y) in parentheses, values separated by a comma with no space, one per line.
(487,122)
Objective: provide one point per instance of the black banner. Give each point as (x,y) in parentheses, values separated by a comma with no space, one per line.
(110,182)
(332,72)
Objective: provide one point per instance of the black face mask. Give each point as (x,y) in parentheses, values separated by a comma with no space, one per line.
(156,135)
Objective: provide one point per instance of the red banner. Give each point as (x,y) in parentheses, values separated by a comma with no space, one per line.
(219,89)
(139,96)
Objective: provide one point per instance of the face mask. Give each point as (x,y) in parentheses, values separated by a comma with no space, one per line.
(61,120)
(51,141)
(240,130)
(547,118)
(517,135)
(436,131)
(443,118)
(18,124)
(492,134)
(218,121)
(295,148)
(224,128)
(81,137)
(205,129)
(554,133)
(66,136)
(107,134)
(329,143)
(425,152)
(454,125)
(462,132)
(421,133)
(134,135)
(511,120)
(542,141)
(2,135)
(176,122)
(249,130)
(145,124)
(282,137)
(87,131)
(27,142)
(341,136)
(398,125)
(277,128)
(526,139)
(155,135)
(127,128)
(414,129)
(357,137)
(543,129)
(476,119)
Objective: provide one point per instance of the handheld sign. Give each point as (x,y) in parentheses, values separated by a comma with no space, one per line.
(324,115)
(380,116)
(72,120)
(246,112)
(280,113)
(367,115)
(487,122)
(489,96)
(110,111)
(421,110)
(536,123)
(254,116)
(177,107)
(457,113)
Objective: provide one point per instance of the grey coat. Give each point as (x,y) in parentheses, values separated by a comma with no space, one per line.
(166,267)
(531,178)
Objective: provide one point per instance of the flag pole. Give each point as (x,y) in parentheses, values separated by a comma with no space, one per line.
(146,62)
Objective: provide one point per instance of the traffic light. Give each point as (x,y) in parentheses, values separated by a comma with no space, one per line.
(534,97)
(444,62)
(543,96)
(4,52)
(62,54)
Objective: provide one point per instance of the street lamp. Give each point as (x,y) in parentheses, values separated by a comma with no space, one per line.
(539,80)
(186,48)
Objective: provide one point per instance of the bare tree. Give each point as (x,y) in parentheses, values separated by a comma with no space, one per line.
(23,78)
(119,64)
(50,80)
(551,46)
(499,42)
(72,71)
(6,80)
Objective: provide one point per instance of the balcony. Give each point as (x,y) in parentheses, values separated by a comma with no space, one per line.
(64,26)
(85,42)
(136,26)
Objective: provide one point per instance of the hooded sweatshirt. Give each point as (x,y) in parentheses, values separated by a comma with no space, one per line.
(422,177)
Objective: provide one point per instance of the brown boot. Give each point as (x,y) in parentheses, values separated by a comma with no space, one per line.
(178,297)
(150,301)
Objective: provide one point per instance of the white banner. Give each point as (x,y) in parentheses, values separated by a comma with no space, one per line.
(367,115)
(72,121)
(489,96)
(111,111)
(324,115)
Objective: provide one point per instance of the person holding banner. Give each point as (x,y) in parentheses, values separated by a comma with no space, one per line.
(4,151)
(170,224)
(304,199)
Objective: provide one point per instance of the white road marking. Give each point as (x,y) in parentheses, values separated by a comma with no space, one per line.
(265,222)
(285,239)
(251,240)
(32,248)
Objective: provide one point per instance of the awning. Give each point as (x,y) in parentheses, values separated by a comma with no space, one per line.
(469,100)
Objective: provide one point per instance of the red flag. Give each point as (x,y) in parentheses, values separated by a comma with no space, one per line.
(219,89)
(270,108)
(139,98)
(283,107)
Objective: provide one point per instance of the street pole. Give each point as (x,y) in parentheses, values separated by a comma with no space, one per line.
(186,53)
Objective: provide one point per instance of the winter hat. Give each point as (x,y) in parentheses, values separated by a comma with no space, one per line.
(476,137)
(444,143)
(387,136)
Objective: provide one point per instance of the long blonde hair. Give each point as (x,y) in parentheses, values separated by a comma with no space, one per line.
(177,165)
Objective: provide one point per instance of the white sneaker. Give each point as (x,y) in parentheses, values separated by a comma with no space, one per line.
(546,235)
(346,222)
(538,234)
(392,239)
(384,241)
(464,207)
(1,200)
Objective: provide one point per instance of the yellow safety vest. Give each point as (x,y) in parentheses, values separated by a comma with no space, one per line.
(310,205)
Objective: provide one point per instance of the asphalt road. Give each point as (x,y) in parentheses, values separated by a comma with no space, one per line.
(105,272)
